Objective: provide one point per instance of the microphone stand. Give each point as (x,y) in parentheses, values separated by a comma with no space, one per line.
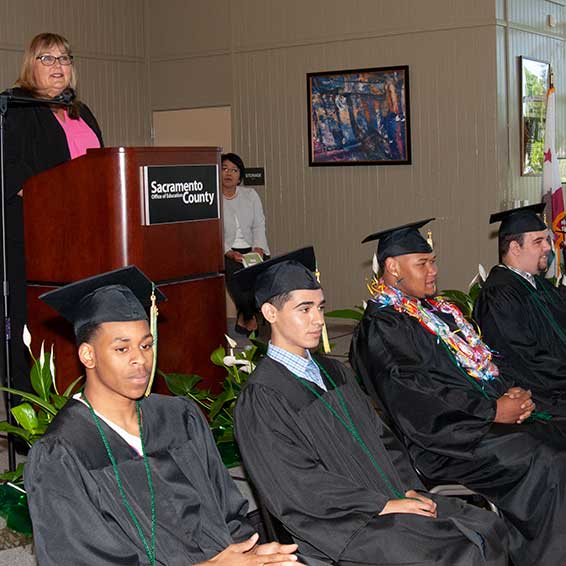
(6,98)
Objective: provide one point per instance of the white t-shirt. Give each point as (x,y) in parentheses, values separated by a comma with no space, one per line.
(133,440)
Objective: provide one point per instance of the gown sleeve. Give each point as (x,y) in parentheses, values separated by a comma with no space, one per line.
(421,388)
(292,481)
(80,535)
(231,501)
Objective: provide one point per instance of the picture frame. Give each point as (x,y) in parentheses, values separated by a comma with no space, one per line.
(535,81)
(359,117)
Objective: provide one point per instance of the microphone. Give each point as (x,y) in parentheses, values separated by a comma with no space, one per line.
(66,97)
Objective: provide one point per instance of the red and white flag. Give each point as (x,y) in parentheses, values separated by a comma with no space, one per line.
(551,184)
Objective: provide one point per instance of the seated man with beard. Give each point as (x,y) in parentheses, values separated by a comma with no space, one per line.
(521,314)
(321,458)
(455,409)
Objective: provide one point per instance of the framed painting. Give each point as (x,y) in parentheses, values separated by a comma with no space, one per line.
(359,117)
(535,80)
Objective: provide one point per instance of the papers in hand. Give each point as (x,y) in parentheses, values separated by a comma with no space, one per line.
(251,259)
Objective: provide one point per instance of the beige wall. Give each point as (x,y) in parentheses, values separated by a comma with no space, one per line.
(254,55)
(196,126)
(109,41)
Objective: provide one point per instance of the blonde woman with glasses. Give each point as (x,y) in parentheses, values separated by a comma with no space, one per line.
(38,137)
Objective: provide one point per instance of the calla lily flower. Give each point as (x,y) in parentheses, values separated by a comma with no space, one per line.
(480,276)
(26,337)
(42,355)
(52,368)
(231,342)
(244,365)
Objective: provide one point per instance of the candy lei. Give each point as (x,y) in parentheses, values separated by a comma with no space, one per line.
(465,344)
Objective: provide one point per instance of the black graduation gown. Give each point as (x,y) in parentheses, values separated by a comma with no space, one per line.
(514,318)
(78,515)
(448,427)
(321,485)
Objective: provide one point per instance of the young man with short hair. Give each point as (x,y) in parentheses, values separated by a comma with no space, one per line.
(461,418)
(119,478)
(328,468)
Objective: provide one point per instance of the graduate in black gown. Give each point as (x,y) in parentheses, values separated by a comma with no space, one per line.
(329,469)
(523,315)
(459,418)
(120,478)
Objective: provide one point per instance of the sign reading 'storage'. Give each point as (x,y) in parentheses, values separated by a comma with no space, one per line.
(179,193)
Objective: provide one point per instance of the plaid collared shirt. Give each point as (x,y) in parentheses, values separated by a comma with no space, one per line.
(524,274)
(301,367)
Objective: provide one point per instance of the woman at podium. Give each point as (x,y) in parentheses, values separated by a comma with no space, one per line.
(39,136)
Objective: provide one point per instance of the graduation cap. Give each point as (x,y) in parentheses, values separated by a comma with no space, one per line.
(402,240)
(116,296)
(520,220)
(282,274)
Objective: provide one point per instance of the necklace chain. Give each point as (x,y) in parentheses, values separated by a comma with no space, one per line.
(149,551)
(351,427)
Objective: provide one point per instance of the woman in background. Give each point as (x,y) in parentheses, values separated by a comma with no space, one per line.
(244,232)
(38,137)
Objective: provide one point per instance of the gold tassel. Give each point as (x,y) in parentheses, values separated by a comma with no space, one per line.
(429,239)
(153,312)
(325,342)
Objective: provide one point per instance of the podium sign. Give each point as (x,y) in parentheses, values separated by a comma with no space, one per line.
(179,193)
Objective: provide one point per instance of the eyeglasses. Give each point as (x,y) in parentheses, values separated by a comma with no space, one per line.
(233,171)
(49,60)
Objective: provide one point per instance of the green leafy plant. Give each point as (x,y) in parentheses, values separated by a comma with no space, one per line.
(466,301)
(33,415)
(219,407)
(357,313)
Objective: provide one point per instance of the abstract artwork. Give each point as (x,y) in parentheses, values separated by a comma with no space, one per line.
(359,117)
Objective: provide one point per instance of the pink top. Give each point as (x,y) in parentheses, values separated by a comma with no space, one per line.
(79,135)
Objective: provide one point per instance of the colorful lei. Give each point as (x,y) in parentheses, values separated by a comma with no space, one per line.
(464,343)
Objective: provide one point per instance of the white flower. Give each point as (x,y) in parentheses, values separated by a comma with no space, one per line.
(245,365)
(365,305)
(42,355)
(480,277)
(231,342)
(27,337)
(52,368)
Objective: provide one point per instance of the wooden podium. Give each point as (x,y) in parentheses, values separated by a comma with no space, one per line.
(86,217)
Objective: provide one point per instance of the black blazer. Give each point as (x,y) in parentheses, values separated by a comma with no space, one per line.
(34,142)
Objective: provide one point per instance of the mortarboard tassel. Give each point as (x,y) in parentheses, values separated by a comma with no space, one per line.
(325,342)
(429,239)
(153,312)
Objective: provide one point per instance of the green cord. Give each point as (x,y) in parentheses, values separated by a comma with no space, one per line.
(150,552)
(543,308)
(351,428)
